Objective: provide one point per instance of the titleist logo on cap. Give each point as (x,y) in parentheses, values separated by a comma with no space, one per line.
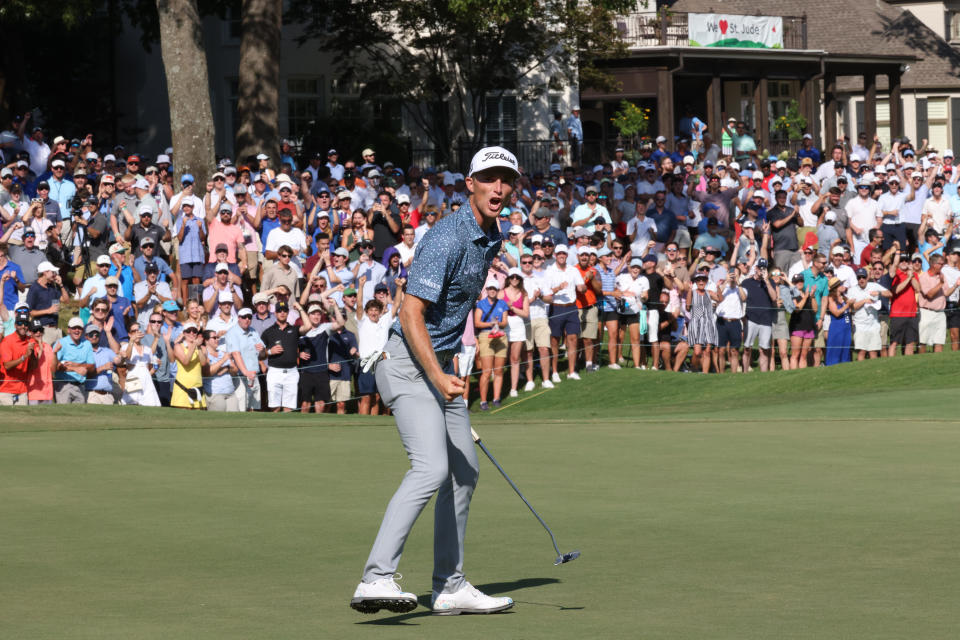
(491,157)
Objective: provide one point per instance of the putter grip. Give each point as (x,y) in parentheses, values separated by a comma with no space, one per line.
(476,437)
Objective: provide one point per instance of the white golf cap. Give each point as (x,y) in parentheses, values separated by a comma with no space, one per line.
(403,199)
(749,224)
(46,266)
(262,156)
(103,260)
(515,271)
(807,136)
(516,229)
(225,296)
(536,238)
(661,139)
(491,284)
(688,160)
(246,311)
(58,163)
(367,152)
(344,195)
(830,216)
(493,157)
(948,153)
(221,266)
(561,248)
(837,251)
(74,322)
(781,164)
(163,159)
(757,175)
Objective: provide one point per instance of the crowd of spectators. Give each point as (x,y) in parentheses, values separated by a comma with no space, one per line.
(274,285)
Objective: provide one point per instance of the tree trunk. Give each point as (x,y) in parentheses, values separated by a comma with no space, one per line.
(188,89)
(259,98)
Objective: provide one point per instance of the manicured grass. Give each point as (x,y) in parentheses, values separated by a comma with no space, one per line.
(809,504)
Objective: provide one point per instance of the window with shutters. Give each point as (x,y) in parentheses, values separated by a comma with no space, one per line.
(953,26)
(938,122)
(502,121)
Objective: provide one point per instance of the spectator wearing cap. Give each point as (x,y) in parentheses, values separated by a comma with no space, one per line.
(90,238)
(247,219)
(722,200)
(75,362)
(711,238)
(631,291)
(99,385)
(784,222)
(44,299)
(866,305)
(62,189)
(225,317)
(591,215)
(655,308)
(730,298)
(589,313)
(288,201)
(40,377)
(19,353)
(145,228)
(185,195)
(191,232)
(863,212)
(334,167)
(148,255)
(742,143)
(263,316)
(11,279)
(933,244)
(513,247)
(933,303)
(120,308)
(286,235)
(248,352)
(190,357)
(125,206)
(664,220)
(366,267)
(489,319)
(747,246)
(760,314)
(890,204)
(220,379)
(951,289)
(223,229)
(221,282)
(904,322)
(936,212)
(561,283)
(837,156)
(542,224)
(282,340)
(151,291)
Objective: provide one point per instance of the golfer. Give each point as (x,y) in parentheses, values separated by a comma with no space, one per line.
(417,381)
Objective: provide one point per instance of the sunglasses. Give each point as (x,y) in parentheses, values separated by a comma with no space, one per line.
(219,179)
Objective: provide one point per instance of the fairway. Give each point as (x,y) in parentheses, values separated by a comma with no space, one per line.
(803,504)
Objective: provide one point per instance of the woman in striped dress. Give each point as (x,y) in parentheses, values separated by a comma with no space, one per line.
(702,330)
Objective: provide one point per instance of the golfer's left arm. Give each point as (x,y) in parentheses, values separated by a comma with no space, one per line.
(415,332)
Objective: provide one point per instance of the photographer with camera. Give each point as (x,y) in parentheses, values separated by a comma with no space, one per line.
(89,233)
(385,221)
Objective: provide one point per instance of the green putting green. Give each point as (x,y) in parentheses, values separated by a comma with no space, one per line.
(808,504)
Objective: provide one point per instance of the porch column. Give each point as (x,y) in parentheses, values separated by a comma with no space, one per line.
(761,115)
(869,124)
(810,107)
(829,110)
(715,108)
(665,126)
(896,112)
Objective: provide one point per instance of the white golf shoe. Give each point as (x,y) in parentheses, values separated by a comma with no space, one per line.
(530,386)
(468,599)
(384,593)
(513,393)
(555,378)
(573,376)
(547,384)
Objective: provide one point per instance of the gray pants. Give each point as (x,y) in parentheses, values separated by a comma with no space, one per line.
(436,436)
(69,393)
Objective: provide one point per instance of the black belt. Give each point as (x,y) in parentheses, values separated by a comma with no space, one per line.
(572,304)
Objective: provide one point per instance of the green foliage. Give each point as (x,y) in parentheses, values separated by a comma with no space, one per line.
(631,120)
(792,123)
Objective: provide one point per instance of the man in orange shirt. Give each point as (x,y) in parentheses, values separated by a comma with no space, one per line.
(18,354)
(587,307)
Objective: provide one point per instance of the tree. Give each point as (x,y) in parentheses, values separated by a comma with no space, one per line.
(185,66)
(443,58)
(257,104)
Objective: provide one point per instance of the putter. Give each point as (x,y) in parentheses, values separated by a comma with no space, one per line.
(561,557)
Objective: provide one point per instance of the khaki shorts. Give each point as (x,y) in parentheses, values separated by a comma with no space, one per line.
(13,399)
(98,397)
(487,348)
(253,263)
(867,338)
(933,327)
(539,333)
(339,390)
(589,326)
(51,335)
(820,342)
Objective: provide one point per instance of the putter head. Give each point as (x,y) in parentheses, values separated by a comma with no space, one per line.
(567,557)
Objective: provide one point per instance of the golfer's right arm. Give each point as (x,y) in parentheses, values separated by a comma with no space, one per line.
(415,332)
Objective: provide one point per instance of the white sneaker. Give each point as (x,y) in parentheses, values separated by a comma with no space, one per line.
(573,376)
(468,599)
(555,377)
(513,393)
(546,384)
(613,365)
(384,593)
(530,386)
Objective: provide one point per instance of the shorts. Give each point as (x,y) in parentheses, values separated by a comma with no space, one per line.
(539,334)
(253,263)
(495,348)
(564,320)
(953,316)
(314,387)
(609,316)
(100,397)
(729,333)
(247,395)
(516,329)
(589,327)
(904,330)
(780,329)
(339,390)
(465,359)
(366,383)
(69,393)
(282,387)
(653,326)
(820,340)
(933,327)
(13,399)
(806,335)
(760,333)
(629,319)
(867,338)
(226,402)
(192,270)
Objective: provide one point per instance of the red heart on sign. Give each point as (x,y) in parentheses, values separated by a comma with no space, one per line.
(723,26)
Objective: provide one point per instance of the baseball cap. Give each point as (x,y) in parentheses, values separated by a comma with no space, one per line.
(561,248)
(29,231)
(491,284)
(225,296)
(830,216)
(91,328)
(542,212)
(112,281)
(344,195)
(190,325)
(381,288)
(262,156)
(349,291)
(185,178)
(221,266)
(281,306)
(46,266)
(649,258)
(340,251)
(75,322)
(636,262)
(762,263)
(151,267)
(58,163)
(493,157)
(749,224)
(837,251)
(515,229)
(170,305)
(403,199)
(861,273)
(103,260)
(146,242)
(246,311)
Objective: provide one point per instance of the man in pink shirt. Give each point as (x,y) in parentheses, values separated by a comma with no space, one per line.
(221,229)
(933,319)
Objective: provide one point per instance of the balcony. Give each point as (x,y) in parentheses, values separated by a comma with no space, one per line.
(669,29)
